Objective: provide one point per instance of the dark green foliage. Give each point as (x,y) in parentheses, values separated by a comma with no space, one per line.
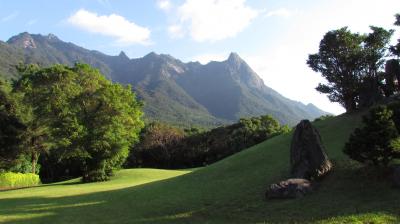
(378,142)
(11,128)
(163,146)
(24,164)
(79,117)
(395,108)
(351,63)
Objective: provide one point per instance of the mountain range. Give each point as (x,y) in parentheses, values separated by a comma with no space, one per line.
(184,94)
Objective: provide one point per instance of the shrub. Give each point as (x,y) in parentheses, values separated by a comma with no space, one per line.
(14,180)
(377,142)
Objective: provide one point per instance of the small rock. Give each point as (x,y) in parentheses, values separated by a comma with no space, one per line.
(290,188)
(307,154)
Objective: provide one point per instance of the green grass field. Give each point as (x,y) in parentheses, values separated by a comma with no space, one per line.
(230,191)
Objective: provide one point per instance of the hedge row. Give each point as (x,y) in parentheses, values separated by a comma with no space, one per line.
(13,180)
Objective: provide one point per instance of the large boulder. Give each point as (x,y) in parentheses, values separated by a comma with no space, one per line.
(308,159)
(291,188)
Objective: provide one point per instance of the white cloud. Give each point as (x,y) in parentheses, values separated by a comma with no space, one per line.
(9,17)
(164,5)
(214,20)
(176,31)
(205,58)
(112,25)
(282,12)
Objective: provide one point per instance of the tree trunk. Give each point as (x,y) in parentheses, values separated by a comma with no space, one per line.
(34,161)
(350,104)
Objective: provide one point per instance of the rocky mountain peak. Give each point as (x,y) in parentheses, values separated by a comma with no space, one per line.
(123,55)
(234,58)
(23,40)
(151,55)
(52,37)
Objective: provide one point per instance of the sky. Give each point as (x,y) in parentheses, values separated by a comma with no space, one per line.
(274,37)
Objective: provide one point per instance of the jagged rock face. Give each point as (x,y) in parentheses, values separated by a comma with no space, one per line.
(290,188)
(307,154)
(24,40)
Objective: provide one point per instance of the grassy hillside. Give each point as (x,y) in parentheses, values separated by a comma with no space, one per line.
(230,191)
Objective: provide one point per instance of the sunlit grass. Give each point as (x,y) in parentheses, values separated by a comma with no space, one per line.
(230,191)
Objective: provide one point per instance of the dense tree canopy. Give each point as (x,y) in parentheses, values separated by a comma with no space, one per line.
(351,63)
(164,146)
(77,114)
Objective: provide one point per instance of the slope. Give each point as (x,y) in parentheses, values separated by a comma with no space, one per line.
(230,191)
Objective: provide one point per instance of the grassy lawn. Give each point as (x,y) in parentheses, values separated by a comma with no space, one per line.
(230,191)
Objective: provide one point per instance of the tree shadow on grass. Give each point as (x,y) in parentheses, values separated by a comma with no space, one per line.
(345,196)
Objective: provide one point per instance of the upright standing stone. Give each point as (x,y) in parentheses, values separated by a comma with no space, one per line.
(307,154)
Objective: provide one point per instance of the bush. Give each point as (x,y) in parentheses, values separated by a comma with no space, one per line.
(14,180)
(378,142)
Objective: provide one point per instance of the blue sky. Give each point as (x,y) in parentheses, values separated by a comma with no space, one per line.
(274,37)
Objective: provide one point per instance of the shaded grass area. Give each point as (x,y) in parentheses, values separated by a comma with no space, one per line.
(230,191)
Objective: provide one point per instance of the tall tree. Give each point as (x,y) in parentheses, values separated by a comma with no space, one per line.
(11,128)
(89,118)
(348,61)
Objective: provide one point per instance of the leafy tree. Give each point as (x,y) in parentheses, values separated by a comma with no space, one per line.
(156,145)
(348,61)
(11,128)
(88,118)
(378,142)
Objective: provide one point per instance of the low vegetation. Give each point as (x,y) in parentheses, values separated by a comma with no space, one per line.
(17,180)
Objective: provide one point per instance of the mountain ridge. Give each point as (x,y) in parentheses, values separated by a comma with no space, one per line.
(182,93)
